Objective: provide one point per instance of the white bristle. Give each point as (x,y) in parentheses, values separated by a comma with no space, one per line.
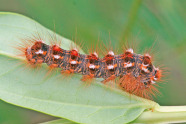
(73,62)
(145,65)
(56,56)
(40,41)
(145,69)
(153,82)
(95,54)
(126,65)
(110,67)
(130,50)
(111,53)
(75,49)
(39,52)
(28,50)
(147,55)
(92,66)
(155,79)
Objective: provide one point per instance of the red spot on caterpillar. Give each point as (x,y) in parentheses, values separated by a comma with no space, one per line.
(56,48)
(128,54)
(108,58)
(74,53)
(92,57)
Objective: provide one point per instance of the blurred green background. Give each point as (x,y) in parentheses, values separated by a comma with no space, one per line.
(162,22)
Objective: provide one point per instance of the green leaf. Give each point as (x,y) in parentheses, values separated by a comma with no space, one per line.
(166,114)
(59,121)
(54,94)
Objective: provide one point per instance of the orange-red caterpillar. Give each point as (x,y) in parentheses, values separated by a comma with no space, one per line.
(137,74)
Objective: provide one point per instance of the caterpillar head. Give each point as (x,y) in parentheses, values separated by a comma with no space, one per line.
(37,52)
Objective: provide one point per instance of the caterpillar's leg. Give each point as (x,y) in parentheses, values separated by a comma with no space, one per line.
(87,79)
(111,78)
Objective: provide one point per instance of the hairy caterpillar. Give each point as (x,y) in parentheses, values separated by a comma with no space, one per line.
(136,73)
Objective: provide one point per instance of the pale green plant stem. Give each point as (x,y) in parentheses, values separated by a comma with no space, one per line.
(163,114)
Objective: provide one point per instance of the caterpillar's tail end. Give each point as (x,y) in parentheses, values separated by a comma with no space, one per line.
(134,86)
